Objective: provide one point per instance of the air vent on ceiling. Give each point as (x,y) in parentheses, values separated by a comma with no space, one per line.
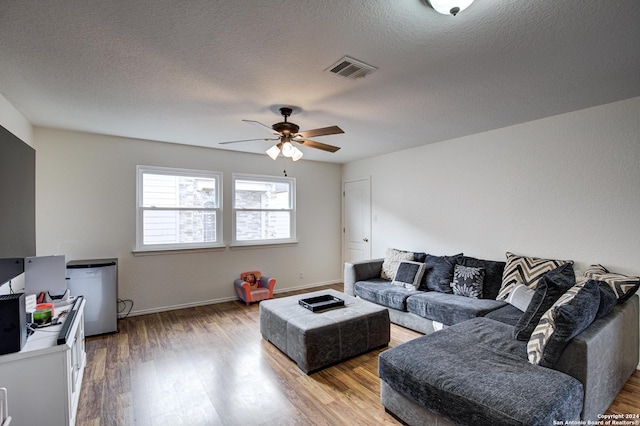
(348,67)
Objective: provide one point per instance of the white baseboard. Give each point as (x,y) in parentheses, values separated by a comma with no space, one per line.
(306,286)
(180,306)
(223,299)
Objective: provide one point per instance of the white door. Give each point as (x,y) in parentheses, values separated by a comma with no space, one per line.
(356,221)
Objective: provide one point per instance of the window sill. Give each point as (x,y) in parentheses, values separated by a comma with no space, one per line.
(156,252)
(246,246)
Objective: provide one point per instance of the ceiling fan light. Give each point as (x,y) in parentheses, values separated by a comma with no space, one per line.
(273,152)
(297,154)
(449,7)
(288,149)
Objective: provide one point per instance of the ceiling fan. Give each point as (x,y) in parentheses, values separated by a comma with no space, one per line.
(287,133)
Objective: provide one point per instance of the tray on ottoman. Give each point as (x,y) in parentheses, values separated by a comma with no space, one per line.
(320,303)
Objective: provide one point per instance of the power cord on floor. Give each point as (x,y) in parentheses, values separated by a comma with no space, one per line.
(122,306)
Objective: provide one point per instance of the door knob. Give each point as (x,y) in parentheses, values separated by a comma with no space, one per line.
(366,240)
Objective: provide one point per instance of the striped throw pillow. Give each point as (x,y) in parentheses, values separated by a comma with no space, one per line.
(525,270)
(622,285)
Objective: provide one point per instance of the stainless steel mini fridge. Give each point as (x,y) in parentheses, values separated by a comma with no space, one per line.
(97,281)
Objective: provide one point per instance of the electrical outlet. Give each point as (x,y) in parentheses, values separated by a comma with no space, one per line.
(301,275)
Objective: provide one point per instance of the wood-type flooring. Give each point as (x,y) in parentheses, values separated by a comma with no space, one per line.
(208,365)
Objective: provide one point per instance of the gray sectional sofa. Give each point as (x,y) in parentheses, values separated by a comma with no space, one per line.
(474,371)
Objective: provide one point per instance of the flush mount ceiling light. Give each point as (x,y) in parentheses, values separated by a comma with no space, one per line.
(449,7)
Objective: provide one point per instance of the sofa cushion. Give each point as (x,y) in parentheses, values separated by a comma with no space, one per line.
(408,274)
(449,308)
(474,373)
(383,293)
(608,300)
(572,313)
(492,276)
(551,286)
(624,286)
(525,270)
(508,314)
(438,273)
(392,259)
(467,281)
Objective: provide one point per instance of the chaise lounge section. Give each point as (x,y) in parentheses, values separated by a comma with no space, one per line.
(475,373)
(490,368)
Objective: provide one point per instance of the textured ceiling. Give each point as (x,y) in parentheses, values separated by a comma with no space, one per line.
(188,71)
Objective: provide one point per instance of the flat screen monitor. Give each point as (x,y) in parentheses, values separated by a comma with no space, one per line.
(17,204)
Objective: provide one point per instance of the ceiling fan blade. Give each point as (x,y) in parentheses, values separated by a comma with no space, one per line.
(262,126)
(318,145)
(249,140)
(332,130)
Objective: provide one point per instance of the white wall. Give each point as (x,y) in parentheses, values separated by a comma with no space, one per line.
(12,120)
(563,187)
(86,187)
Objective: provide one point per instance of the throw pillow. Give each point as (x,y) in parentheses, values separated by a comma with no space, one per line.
(438,273)
(551,286)
(409,274)
(492,274)
(468,281)
(608,299)
(520,297)
(419,256)
(567,318)
(525,270)
(391,261)
(622,285)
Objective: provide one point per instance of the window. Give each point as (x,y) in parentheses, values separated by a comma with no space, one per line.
(264,209)
(178,209)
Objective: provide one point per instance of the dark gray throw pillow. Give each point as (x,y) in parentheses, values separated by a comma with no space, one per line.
(608,300)
(438,273)
(569,316)
(419,256)
(551,286)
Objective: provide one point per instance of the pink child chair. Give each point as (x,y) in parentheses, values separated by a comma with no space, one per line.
(253,287)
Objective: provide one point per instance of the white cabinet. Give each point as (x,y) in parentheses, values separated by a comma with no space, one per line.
(44,379)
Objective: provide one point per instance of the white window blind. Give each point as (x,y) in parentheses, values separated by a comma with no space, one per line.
(178,209)
(264,210)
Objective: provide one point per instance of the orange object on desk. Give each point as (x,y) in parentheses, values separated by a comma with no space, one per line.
(41,306)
